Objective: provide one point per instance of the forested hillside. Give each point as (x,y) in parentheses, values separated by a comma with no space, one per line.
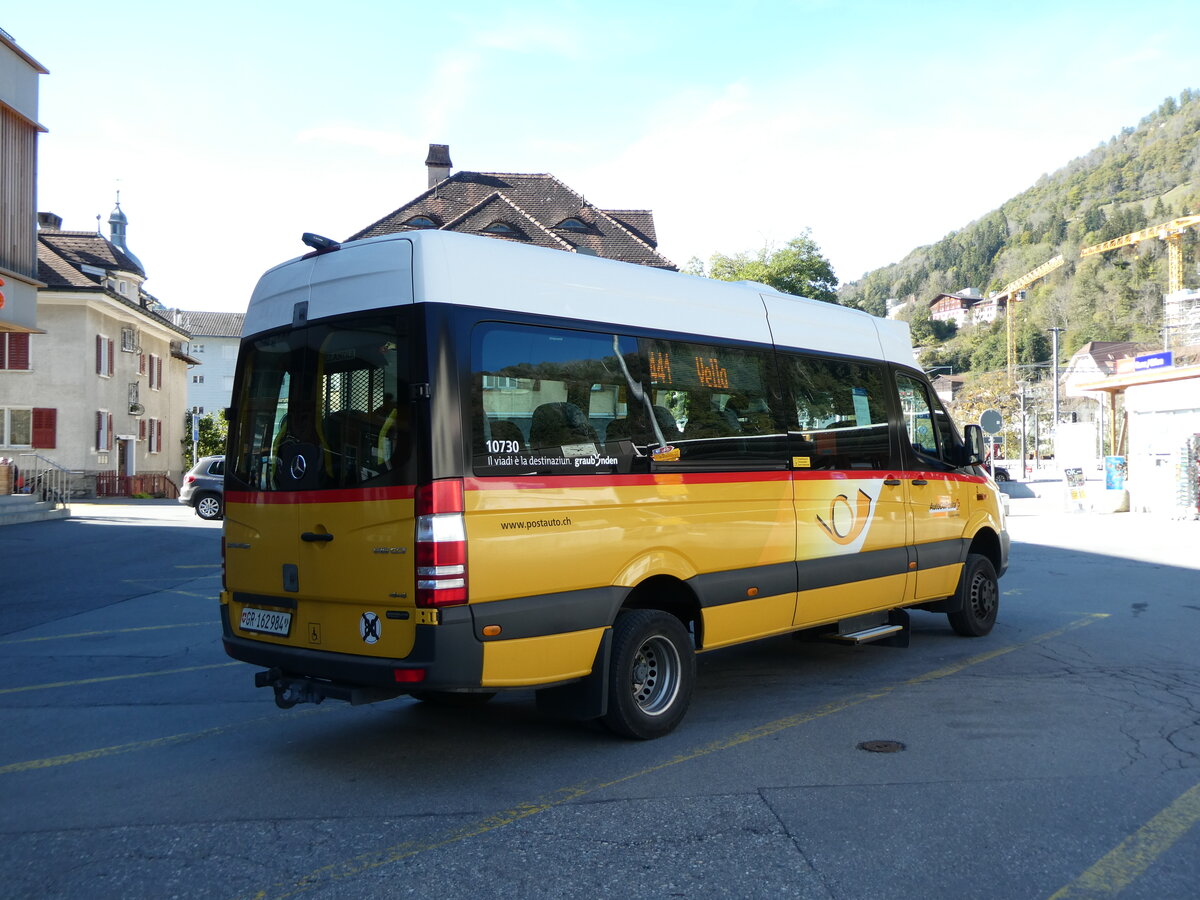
(1142,176)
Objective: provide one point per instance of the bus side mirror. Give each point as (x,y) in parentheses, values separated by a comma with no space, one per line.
(973,439)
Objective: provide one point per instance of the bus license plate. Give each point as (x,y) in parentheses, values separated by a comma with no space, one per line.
(267,621)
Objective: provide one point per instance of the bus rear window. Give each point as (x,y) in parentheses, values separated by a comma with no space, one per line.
(323,407)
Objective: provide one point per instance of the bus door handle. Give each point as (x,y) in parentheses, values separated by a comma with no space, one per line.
(314,537)
(891,482)
(914,481)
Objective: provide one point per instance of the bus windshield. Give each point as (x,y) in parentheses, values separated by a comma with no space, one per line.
(323,407)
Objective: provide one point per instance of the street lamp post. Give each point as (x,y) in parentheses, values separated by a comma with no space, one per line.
(1054,425)
(1024,474)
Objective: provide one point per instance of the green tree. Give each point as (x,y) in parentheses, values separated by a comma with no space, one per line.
(213,431)
(797,268)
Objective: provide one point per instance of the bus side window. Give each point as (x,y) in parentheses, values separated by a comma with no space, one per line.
(838,414)
(930,432)
(551,400)
(715,404)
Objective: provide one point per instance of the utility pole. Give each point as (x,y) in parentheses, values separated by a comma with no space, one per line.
(1054,425)
(1024,473)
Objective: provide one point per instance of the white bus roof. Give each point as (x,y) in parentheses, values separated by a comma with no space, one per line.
(447,267)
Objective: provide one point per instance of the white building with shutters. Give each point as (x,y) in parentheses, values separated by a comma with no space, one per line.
(105,386)
(216,337)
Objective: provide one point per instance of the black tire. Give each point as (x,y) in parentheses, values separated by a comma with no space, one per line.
(209,507)
(453,698)
(651,674)
(1001,477)
(978,598)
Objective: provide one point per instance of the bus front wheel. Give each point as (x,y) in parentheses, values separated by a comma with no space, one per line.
(651,674)
(978,598)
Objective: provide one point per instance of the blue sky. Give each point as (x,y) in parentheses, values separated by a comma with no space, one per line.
(231,128)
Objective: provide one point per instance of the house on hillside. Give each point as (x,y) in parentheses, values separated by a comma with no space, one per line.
(947,387)
(214,344)
(957,307)
(531,209)
(106,382)
(1095,360)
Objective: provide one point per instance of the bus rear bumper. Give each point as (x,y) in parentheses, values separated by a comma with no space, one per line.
(300,675)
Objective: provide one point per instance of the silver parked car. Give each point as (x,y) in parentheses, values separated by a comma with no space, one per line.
(204,487)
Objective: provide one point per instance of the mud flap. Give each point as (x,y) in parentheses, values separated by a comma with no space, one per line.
(584,699)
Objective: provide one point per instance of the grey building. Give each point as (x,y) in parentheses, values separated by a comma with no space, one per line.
(214,345)
(19,283)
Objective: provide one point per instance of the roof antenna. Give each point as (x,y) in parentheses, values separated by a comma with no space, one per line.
(97,223)
(319,243)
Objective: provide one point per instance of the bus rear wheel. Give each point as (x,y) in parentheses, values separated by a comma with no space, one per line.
(978,598)
(651,675)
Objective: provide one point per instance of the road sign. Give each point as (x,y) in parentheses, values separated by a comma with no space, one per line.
(991,422)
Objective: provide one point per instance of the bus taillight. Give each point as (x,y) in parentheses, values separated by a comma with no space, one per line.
(441,544)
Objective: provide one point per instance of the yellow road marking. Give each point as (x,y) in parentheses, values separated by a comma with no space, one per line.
(103,678)
(84,755)
(366,862)
(81,634)
(1118,868)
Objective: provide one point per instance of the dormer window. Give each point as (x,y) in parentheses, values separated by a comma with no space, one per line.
(421,222)
(500,228)
(571,225)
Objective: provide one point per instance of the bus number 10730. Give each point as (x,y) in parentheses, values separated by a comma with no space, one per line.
(503,447)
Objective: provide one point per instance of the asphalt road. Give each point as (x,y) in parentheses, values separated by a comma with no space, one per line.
(1057,757)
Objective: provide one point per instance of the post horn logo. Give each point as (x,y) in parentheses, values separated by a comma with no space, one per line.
(846,525)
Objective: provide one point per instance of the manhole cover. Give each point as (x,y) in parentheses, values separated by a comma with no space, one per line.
(881,746)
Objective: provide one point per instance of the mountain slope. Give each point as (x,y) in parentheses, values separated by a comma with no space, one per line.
(1140,177)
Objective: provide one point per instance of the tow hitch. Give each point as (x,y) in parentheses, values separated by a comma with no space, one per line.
(292,689)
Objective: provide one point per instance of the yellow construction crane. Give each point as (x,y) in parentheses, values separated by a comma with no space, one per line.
(1010,295)
(1171,232)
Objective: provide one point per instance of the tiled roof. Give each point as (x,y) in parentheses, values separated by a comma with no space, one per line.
(533,206)
(208,324)
(62,253)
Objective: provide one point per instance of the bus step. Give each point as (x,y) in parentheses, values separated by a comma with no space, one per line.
(867,634)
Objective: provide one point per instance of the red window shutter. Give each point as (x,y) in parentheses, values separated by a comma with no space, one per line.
(141,363)
(110,357)
(45,428)
(99,431)
(141,429)
(18,352)
(158,374)
(108,445)
(158,437)
(99,355)
(3,351)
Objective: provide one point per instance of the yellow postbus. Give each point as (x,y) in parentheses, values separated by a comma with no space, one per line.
(460,465)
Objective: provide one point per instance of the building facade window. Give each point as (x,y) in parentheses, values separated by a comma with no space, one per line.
(16,427)
(104,431)
(104,356)
(154,366)
(129,340)
(14,351)
(197,379)
(154,436)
